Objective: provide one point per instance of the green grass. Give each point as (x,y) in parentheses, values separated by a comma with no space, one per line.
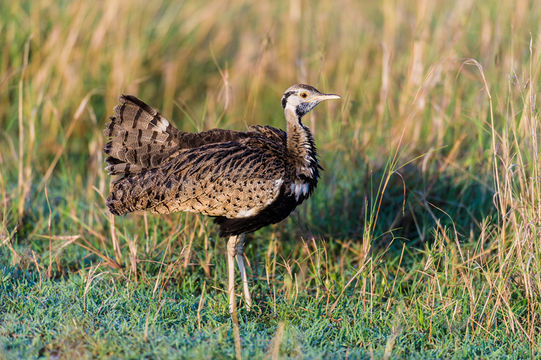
(421,240)
(72,317)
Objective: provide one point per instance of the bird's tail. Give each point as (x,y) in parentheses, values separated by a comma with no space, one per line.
(139,138)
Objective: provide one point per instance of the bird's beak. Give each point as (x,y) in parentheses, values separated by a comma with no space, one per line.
(322,97)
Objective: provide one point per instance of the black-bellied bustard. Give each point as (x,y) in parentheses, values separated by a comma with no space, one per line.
(245,180)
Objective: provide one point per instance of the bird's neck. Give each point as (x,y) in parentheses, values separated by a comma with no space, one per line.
(301,148)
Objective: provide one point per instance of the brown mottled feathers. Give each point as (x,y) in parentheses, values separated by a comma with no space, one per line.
(240,178)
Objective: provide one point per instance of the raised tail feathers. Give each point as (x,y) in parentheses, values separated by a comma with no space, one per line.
(139,137)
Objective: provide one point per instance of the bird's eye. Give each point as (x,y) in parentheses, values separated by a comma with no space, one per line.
(304,95)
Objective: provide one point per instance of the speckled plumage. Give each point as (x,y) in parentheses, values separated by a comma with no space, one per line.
(245,180)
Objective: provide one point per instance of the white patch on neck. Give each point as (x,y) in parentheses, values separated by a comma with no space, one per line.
(291,108)
(299,188)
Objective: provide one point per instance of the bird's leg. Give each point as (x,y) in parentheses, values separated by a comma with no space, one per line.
(242,268)
(231,252)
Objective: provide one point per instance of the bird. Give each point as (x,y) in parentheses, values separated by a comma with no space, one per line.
(245,180)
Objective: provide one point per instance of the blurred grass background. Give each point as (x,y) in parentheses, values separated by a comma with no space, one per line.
(422,239)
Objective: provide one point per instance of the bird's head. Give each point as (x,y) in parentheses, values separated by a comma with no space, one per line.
(302,98)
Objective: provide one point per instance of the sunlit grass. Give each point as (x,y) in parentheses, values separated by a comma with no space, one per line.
(422,238)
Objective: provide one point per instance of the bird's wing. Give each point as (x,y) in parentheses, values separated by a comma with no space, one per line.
(214,136)
(232,179)
(274,135)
